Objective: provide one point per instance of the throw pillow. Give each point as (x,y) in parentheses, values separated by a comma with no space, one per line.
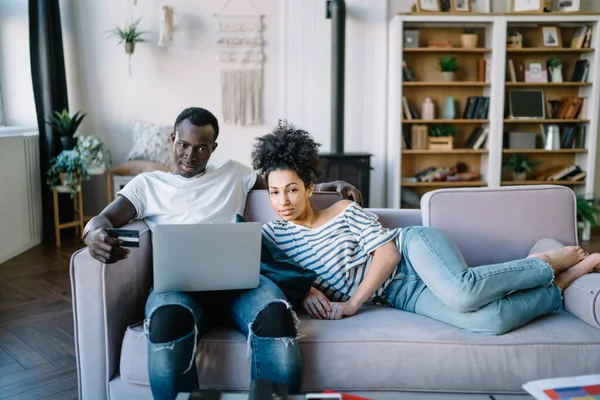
(151,142)
(293,280)
(136,167)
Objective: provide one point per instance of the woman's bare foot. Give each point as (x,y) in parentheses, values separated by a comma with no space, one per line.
(563,258)
(589,264)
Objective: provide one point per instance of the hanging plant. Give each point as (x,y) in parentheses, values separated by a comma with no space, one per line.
(130,35)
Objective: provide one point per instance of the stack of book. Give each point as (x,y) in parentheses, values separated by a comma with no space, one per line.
(581,71)
(569,108)
(440,174)
(582,38)
(563,173)
(476,107)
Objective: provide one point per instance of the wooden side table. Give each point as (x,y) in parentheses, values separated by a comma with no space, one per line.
(77,207)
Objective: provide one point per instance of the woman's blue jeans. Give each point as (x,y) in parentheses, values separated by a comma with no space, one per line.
(433,280)
(171,365)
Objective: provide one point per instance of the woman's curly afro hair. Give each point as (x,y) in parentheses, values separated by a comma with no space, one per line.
(287,148)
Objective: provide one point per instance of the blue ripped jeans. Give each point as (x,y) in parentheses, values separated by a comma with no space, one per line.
(171,365)
(433,280)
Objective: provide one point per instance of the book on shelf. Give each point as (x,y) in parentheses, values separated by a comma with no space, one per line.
(587,42)
(481,70)
(511,72)
(458,172)
(577,177)
(581,71)
(564,173)
(409,111)
(407,73)
(476,107)
(579,37)
(569,107)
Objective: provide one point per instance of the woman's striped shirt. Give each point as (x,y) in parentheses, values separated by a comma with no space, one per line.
(339,251)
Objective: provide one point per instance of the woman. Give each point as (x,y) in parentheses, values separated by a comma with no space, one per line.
(415,269)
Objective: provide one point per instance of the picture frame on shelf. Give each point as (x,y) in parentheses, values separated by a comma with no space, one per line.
(550,36)
(428,5)
(569,5)
(461,6)
(535,71)
(445,5)
(527,6)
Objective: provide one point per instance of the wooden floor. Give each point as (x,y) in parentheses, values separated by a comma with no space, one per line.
(37,355)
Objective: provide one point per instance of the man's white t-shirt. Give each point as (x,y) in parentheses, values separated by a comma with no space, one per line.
(215,196)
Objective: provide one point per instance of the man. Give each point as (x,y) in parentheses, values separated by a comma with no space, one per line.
(199,193)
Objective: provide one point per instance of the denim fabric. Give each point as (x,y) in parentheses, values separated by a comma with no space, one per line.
(171,365)
(433,280)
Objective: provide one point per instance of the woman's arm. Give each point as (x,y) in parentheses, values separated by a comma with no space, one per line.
(385,259)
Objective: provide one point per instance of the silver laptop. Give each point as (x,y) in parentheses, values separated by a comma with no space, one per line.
(202,257)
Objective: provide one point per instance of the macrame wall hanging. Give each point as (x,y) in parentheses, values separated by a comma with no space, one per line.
(241,59)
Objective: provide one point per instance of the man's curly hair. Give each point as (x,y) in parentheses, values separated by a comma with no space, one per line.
(287,148)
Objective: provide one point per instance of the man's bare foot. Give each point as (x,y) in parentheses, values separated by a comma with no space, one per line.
(563,258)
(589,264)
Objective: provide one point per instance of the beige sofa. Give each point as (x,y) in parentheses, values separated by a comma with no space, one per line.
(379,349)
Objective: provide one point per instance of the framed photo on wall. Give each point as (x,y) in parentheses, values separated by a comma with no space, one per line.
(569,5)
(550,36)
(428,6)
(532,6)
(461,5)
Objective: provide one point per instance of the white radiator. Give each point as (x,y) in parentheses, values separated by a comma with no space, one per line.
(20,192)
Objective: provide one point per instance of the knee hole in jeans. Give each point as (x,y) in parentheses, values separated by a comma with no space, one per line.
(169,323)
(275,320)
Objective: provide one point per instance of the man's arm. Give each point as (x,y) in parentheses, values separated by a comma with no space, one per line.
(103,247)
(343,188)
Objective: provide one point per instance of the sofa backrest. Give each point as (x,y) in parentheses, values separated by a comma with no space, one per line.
(258,208)
(493,225)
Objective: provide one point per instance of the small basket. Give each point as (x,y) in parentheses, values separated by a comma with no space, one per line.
(443,143)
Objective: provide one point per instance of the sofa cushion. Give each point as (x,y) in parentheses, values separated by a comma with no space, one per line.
(387,349)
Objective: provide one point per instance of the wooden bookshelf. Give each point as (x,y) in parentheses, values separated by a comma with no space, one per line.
(440,152)
(492,30)
(542,151)
(445,184)
(446,121)
(448,84)
(532,182)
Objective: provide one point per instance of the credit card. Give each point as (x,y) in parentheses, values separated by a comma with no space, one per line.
(129,237)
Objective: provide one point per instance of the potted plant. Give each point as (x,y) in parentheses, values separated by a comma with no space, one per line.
(468,39)
(449,65)
(519,166)
(66,126)
(441,137)
(68,169)
(555,66)
(587,215)
(130,34)
(95,154)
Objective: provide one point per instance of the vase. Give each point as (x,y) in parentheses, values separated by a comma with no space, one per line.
(556,73)
(68,142)
(428,109)
(519,176)
(468,40)
(447,76)
(129,47)
(449,109)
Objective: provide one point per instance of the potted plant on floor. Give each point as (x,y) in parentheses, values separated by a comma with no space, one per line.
(587,216)
(68,169)
(95,154)
(468,39)
(555,65)
(66,126)
(520,166)
(130,34)
(449,65)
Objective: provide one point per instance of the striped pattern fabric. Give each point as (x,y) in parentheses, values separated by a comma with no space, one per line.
(339,251)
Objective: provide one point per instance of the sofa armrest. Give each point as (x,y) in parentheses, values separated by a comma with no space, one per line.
(106,299)
(494,225)
(582,297)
